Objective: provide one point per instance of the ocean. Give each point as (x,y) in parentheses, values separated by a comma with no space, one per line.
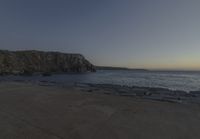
(175,80)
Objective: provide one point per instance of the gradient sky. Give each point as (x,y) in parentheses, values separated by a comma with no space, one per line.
(153,34)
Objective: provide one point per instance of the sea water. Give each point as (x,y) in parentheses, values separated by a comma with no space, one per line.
(175,80)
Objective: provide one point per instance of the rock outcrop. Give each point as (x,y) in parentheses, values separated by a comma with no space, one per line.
(28,62)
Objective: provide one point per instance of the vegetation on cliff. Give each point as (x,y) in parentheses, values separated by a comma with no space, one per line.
(28,62)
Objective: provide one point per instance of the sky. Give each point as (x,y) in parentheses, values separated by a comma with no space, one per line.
(150,34)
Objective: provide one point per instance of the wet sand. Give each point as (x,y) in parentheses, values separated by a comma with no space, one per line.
(29,111)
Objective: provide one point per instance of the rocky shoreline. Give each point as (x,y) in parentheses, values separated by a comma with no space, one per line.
(150,93)
(157,94)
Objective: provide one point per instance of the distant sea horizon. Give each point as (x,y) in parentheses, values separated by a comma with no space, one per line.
(146,69)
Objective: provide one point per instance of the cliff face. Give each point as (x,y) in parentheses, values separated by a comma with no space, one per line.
(22,62)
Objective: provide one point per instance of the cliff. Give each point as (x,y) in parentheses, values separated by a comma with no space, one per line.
(28,62)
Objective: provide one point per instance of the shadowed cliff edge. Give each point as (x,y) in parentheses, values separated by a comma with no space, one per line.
(29,62)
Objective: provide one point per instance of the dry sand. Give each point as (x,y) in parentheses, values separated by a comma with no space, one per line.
(38,112)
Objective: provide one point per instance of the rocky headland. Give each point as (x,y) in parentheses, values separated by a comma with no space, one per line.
(29,62)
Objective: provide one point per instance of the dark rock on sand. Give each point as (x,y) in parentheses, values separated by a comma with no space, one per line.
(29,62)
(46,74)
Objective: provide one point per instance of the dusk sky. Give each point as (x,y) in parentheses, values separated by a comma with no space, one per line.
(152,34)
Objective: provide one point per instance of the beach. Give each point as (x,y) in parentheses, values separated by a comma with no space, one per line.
(44,111)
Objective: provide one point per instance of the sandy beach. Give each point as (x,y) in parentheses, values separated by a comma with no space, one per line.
(29,111)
